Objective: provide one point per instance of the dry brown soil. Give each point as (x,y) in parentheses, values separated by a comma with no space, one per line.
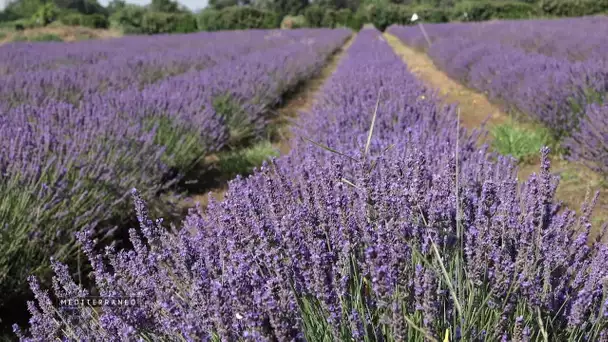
(475,108)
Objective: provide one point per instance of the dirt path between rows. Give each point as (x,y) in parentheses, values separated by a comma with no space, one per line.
(475,108)
(300,101)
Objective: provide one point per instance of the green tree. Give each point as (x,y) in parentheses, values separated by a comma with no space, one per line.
(46,14)
(116,5)
(129,19)
(289,7)
(166,6)
(20,9)
(81,6)
(221,4)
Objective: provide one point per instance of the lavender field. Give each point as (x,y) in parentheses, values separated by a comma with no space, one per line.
(554,71)
(385,221)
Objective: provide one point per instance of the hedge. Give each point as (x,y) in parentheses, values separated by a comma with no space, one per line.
(92,20)
(237,18)
(573,8)
(314,15)
(317,16)
(138,20)
(383,16)
(129,19)
(486,10)
(161,22)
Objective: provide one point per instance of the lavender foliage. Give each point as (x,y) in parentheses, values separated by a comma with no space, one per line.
(550,70)
(66,165)
(363,238)
(590,142)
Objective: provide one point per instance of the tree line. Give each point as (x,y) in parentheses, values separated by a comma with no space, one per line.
(168,16)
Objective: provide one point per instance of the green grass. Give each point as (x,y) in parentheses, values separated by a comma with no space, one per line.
(520,142)
(19,38)
(3,35)
(184,146)
(240,127)
(45,37)
(243,161)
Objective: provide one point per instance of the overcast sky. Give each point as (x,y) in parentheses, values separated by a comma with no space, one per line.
(191,4)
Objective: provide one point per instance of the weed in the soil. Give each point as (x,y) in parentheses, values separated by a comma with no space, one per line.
(241,162)
(242,131)
(19,38)
(519,142)
(46,37)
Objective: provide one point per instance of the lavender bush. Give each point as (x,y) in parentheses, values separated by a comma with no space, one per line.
(72,83)
(66,166)
(549,69)
(590,142)
(385,222)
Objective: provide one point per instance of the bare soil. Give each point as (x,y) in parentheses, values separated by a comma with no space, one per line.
(299,101)
(475,108)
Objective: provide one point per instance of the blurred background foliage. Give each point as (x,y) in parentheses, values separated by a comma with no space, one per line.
(168,16)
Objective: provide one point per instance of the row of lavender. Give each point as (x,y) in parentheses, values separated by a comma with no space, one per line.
(391,226)
(69,165)
(133,65)
(24,57)
(556,71)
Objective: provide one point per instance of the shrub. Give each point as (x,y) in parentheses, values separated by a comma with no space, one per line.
(573,8)
(346,18)
(589,143)
(129,19)
(19,38)
(237,18)
(314,15)
(294,22)
(138,20)
(356,21)
(242,162)
(518,142)
(22,24)
(186,23)
(71,19)
(343,16)
(383,16)
(46,14)
(329,18)
(161,22)
(94,21)
(484,10)
(432,14)
(45,37)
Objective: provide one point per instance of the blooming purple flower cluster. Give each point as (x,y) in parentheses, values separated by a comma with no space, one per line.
(590,142)
(384,222)
(548,69)
(130,64)
(68,165)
